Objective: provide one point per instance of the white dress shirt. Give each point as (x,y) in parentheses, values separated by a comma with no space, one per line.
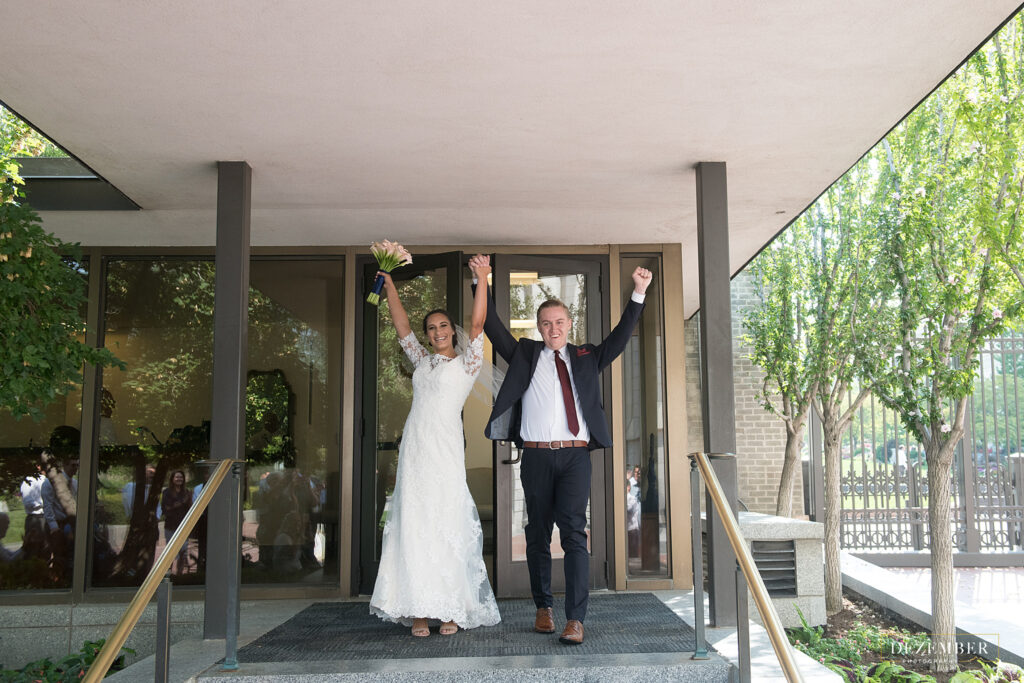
(32,495)
(544,417)
(128,499)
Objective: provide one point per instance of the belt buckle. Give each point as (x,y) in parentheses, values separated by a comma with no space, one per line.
(552,445)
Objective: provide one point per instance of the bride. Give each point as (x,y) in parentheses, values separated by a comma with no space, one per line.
(431,564)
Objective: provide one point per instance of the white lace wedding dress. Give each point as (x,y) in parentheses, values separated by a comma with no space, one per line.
(431,562)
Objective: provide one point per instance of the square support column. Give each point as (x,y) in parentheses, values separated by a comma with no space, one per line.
(719,407)
(230,360)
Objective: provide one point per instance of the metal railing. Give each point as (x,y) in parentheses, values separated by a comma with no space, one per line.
(156,579)
(883,477)
(700,467)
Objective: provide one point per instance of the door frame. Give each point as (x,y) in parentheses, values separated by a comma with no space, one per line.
(511,578)
(364,560)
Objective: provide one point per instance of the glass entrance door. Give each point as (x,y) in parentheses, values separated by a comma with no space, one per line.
(432,281)
(521,284)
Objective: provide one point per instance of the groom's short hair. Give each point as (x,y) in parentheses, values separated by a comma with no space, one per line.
(551,303)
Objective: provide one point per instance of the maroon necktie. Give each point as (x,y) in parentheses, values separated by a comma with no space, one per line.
(570,404)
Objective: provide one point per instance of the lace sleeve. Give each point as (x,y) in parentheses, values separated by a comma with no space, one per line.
(473,358)
(413,349)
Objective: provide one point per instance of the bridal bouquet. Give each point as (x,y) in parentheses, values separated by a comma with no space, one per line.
(389,255)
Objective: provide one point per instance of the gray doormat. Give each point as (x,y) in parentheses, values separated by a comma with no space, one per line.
(620,623)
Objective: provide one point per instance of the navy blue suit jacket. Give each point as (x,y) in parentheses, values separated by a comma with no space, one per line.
(587,363)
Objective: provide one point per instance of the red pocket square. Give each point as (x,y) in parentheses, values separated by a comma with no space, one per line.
(582,352)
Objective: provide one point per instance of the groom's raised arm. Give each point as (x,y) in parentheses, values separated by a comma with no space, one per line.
(615,343)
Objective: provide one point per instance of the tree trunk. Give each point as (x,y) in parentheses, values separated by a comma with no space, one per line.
(833,504)
(784,501)
(943,618)
(136,557)
(61,489)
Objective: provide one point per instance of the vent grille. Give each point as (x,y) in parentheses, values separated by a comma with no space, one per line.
(776,562)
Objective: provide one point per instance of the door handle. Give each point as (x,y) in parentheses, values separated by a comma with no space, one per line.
(514,460)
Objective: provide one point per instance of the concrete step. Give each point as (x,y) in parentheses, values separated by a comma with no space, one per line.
(640,667)
(197,660)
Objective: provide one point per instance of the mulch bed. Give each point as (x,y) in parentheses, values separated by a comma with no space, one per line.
(856,609)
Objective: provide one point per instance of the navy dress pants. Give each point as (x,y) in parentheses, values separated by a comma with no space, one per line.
(556,484)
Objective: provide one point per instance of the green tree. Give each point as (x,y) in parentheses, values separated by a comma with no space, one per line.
(844,287)
(818,297)
(42,347)
(779,331)
(42,292)
(952,177)
(19,140)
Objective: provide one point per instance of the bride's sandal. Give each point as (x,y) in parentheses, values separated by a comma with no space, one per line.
(420,628)
(449,628)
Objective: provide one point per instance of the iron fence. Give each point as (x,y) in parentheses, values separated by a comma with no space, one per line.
(884,474)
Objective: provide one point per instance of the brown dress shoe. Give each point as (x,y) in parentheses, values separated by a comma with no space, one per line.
(544,623)
(573,633)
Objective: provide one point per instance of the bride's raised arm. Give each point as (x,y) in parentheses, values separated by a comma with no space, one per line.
(480,265)
(398,315)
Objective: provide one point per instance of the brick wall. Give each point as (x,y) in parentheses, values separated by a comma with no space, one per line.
(760,436)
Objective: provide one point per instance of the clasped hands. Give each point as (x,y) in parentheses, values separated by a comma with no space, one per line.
(480,265)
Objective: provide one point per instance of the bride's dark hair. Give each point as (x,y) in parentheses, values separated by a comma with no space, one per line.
(455,337)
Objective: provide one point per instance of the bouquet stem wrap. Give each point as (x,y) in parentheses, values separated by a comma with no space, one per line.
(389,255)
(378,285)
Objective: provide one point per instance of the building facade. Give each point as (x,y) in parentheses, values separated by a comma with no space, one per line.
(326,397)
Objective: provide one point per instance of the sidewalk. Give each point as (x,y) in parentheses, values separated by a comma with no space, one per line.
(989,600)
(764,666)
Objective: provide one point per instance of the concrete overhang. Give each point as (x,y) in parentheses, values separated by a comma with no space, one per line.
(473,123)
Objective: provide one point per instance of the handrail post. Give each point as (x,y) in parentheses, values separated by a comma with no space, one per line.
(163,631)
(231,630)
(112,647)
(745,561)
(697,546)
(742,625)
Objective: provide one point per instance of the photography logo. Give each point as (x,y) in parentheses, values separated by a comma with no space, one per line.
(920,650)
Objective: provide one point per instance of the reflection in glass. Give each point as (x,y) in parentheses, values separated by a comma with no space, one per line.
(292,423)
(37,533)
(644,412)
(419,296)
(527,291)
(155,419)
(154,415)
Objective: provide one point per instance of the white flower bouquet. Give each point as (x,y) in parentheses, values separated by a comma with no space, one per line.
(389,255)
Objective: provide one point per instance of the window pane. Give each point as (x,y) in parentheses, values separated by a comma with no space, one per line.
(154,416)
(36,535)
(644,411)
(292,423)
(155,420)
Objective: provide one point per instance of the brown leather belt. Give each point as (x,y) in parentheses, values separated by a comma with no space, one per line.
(554,445)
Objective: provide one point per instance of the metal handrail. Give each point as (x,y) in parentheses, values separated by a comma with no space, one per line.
(769,616)
(132,613)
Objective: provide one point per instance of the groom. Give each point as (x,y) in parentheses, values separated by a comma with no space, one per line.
(550,406)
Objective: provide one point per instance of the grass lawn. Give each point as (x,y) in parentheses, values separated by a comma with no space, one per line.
(16,511)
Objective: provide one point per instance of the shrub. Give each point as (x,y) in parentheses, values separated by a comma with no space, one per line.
(70,668)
